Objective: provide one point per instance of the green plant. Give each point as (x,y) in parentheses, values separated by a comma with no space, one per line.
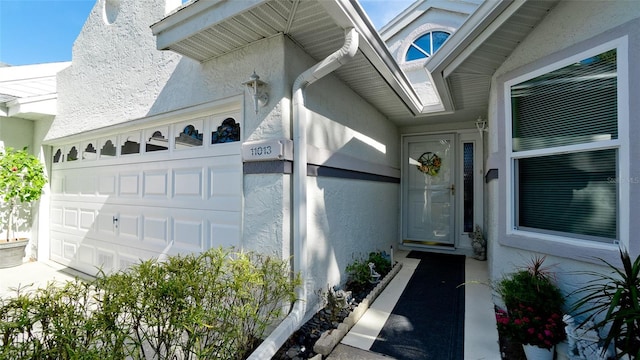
(612,300)
(358,276)
(21,180)
(534,306)
(381,262)
(359,272)
(214,305)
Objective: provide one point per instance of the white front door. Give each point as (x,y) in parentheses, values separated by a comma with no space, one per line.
(429,190)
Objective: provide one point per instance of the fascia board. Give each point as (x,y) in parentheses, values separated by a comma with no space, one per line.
(480,25)
(346,14)
(28,72)
(197,17)
(463,52)
(420,8)
(399,21)
(44,104)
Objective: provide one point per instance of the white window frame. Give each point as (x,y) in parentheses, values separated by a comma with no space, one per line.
(621,144)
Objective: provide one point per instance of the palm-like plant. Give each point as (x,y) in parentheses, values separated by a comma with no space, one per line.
(611,299)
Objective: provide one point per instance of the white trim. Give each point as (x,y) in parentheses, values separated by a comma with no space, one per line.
(621,144)
(598,145)
(460,137)
(212,108)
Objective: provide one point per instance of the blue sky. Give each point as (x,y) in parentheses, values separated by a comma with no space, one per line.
(41,31)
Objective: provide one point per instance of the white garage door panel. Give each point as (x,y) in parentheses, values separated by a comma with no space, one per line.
(215,184)
(109,214)
(143,231)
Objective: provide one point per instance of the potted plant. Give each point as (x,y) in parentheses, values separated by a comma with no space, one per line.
(533,314)
(611,301)
(21,181)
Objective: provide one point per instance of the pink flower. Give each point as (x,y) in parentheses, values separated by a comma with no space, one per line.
(531,331)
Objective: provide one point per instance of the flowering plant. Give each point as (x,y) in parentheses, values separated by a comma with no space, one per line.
(21,181)
(528,326)
(534,306)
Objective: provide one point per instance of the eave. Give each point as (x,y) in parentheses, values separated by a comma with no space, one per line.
(204,30)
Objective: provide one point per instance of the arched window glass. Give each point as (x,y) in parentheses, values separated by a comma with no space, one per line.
(426,45)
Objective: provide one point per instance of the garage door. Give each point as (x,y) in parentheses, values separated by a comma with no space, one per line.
(119,197)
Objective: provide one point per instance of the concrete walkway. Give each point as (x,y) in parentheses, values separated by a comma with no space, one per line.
(480,332)
(33,275)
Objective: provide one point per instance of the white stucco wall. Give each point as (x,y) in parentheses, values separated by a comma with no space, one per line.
(16,133)
(569,23)
(117,76)
(347,218)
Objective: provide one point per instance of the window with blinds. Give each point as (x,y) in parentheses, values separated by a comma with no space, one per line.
(565,151)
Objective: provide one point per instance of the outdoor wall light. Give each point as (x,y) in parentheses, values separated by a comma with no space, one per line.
(481,125)
(257,91)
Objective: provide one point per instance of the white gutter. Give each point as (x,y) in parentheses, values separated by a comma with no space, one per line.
(300,119)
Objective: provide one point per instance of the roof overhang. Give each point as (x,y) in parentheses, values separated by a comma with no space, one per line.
(203,30)
(31,108)
(29,91)
(460,71)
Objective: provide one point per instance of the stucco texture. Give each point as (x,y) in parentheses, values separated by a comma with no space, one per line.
(117,75)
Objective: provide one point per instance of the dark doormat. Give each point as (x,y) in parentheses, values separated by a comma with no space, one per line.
(428,320)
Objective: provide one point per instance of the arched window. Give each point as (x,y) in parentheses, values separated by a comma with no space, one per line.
(427,44)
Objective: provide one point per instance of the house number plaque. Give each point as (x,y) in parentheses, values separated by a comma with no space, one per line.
(267,150)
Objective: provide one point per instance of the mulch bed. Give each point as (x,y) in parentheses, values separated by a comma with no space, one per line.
(299,346)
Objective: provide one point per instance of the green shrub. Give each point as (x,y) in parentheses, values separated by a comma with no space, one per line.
(359,273)
(214,305)
(381,262)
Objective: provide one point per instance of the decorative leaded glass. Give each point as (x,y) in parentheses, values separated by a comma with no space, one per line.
(157,139)
(229,131)
(108,149)
(130,143)
(72,155)
(468,186)
(189,134)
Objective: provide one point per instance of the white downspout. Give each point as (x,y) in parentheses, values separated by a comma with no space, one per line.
(300,119)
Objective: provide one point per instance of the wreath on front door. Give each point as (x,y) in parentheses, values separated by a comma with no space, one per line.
(429,163)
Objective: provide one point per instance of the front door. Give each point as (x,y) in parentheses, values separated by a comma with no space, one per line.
(428,194)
